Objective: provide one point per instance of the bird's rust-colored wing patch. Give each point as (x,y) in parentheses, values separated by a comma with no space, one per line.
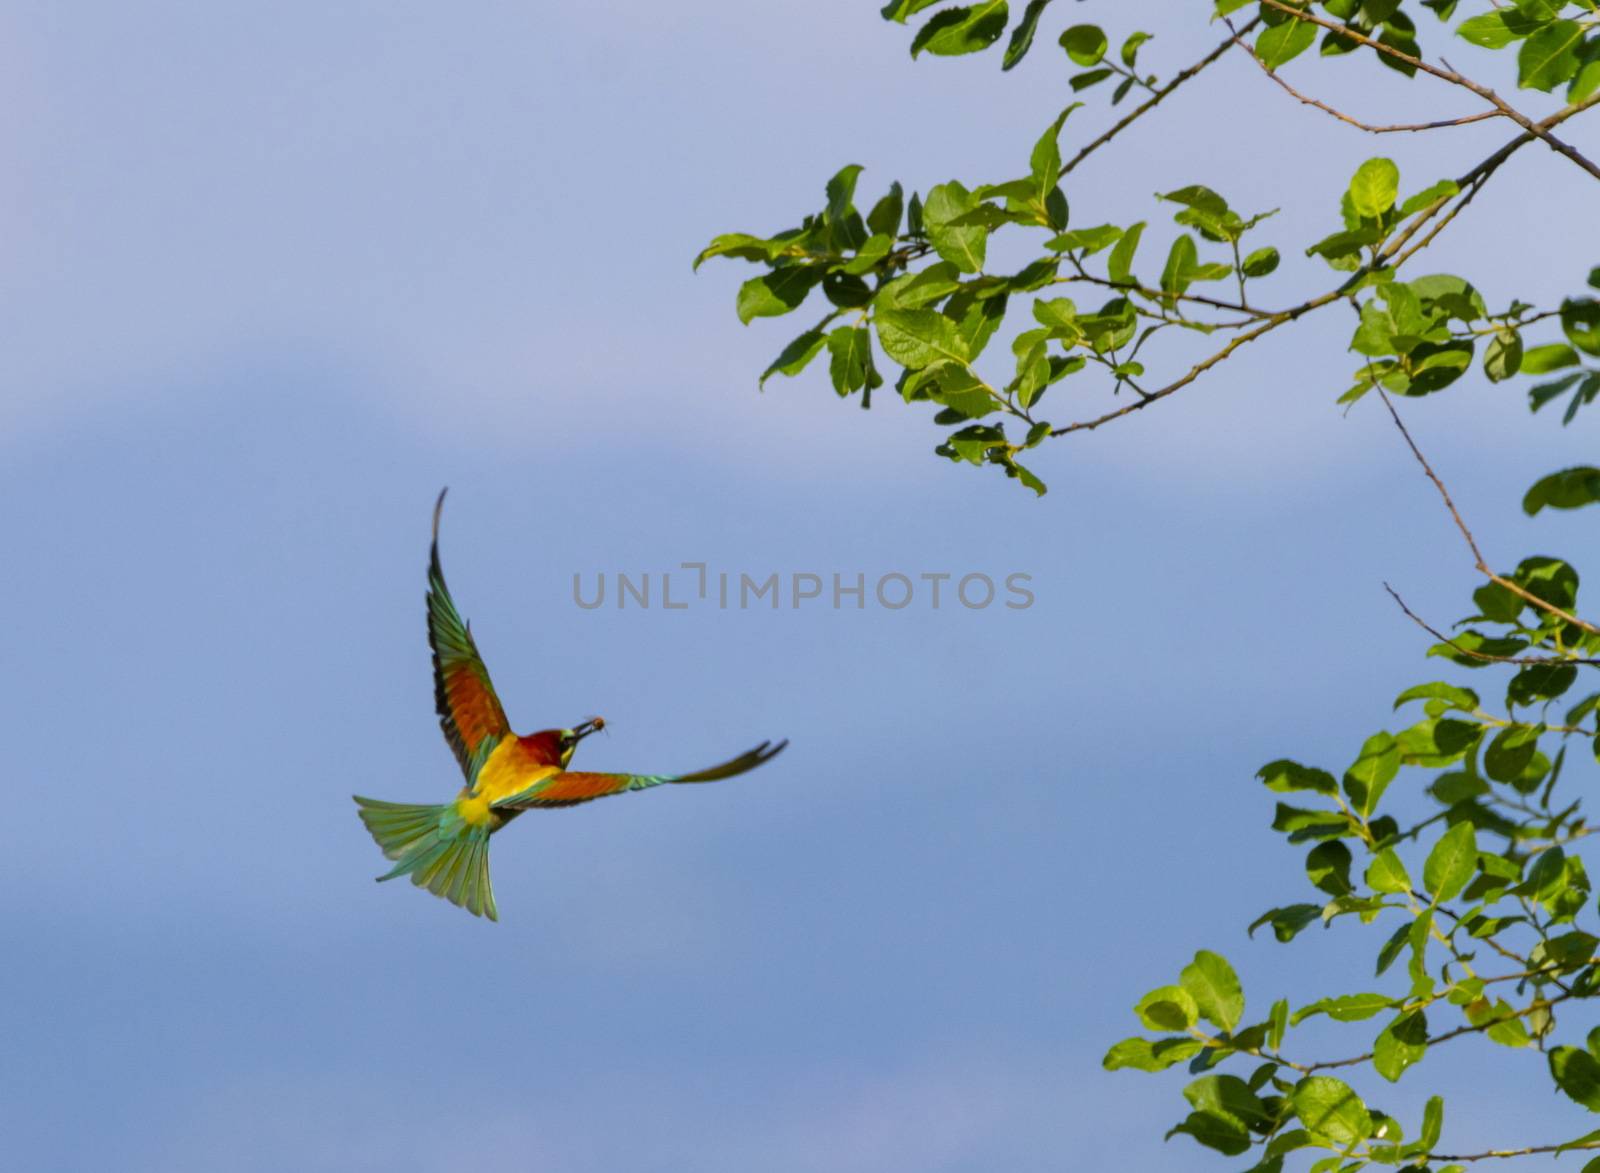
(469,711)
(575,786)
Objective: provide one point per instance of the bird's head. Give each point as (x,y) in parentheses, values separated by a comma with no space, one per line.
(567,740)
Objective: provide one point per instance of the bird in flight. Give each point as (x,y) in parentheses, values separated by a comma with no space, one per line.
(445,848)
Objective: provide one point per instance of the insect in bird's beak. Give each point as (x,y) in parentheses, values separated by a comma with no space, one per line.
(592,725)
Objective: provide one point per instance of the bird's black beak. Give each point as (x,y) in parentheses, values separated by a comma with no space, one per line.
(592,725)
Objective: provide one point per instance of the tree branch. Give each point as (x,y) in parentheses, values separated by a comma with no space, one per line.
(1479,562)
(1149,104)
(1347,119)
(1484,656)
(1444,74)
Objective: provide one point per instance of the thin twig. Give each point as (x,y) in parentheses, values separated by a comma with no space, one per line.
(1161,295)
(1485,656)
(1347,119)
(1479,561)
(1155,98)
(1471,181)
(1201,367)
(1457,1033)
(1495,1154)
(1444,74)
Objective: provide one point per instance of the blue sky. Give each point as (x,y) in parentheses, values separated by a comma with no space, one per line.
(272,278)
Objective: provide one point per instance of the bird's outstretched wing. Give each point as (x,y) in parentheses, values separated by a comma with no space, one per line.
(469,711)
(575,786)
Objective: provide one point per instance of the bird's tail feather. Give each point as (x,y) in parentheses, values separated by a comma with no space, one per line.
(437,848)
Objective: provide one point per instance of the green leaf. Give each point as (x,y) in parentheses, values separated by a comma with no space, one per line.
(1370,774)
(1400,1045)
(849,358)
(1215,987)
(1142,1054)
(846,290)
(736,244)
(1444,189)
(1181,261)
(1400,37)
(1091,240)
(1288,921)
(1085,43)
(1301,824)
(898,10)
(1571,488)
(1224,1110)
(918,338)
(963,245)
(841,191)
(1540,682)
(1432,1124)
(1573,950)
(1580,320)
(884,219)
(1277,1023)
(1330,1110)
(1130,48)
(1454,696)
(1418,936)
(776,293)
(1550,579)
(1261,262)
(1503,358)
(1281,43)
(1342,250)
(1045,161)
(1587,80)
(1328,867)
(1438,741)
(1452,788)
(873,250)
(1284,776)
(1374,187)
(1577,1073)
(962,30)
(963,392)
(1119,265)
(1229,1094)
(1435,365)
(1550,56)
(1543,359)
(795,356)
(1345,1008)
(1512,751)
(1022,35)
(973,443)
(1386,873)
(1392,947)
(937,281)
(1451,863)
(1472,641)
(1489,30)
(1506,1029)
(1167,1008)
(1221,1131)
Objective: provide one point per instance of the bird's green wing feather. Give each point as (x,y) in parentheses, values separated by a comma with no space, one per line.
(574,786)
(469,711)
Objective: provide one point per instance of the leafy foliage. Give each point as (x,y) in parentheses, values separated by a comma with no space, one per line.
(1452,839)
(911,279)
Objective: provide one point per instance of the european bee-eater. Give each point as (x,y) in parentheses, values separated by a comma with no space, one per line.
(445,848)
